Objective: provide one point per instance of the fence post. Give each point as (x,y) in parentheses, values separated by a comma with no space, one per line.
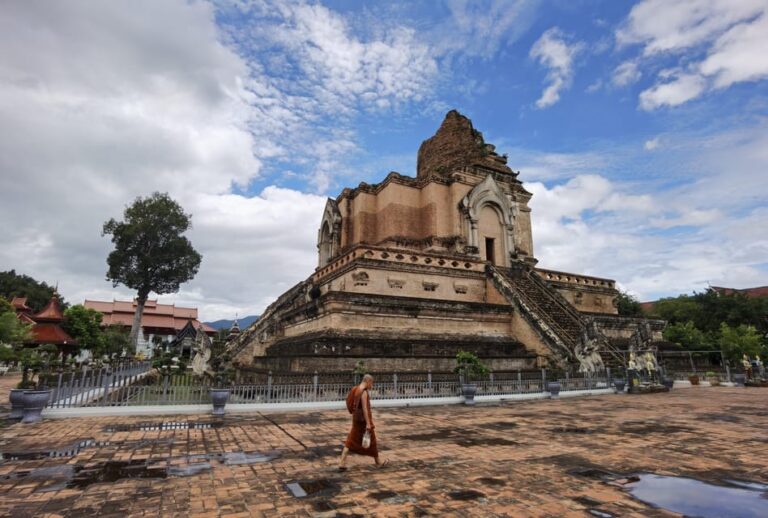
(166,377)
(269,387)
(429,379)
(543,379)
(394,379)
(58,386)
(519,376)
(107,377)
(608,376)
(728,373)
(314,383)
(491,376)
(690,357)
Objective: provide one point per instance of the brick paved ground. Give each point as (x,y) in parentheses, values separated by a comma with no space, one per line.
(501,460)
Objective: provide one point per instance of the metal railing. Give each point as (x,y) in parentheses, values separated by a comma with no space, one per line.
(129,387)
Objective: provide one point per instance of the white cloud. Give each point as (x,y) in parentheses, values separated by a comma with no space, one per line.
(739,55)
(626,74)
(99,104)
(721,42)
(681,89)
(651,144)
(482,27)
(553,52)
(663,26)
(709,225)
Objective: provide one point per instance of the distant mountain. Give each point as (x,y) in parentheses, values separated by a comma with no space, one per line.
(226,324)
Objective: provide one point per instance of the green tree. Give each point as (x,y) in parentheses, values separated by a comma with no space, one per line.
(116,340)
(628,305)
(38,293)
(739,340)
(12,330)
(688,336)
(469,366)
(84,325)
(684,308)
(150,254)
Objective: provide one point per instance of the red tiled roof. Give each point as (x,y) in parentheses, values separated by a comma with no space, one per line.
(164,316)
(50,333)
(20,304)
(25,318)
(752,293)
(51,312)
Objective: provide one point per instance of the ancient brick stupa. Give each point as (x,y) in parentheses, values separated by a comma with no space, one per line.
(411,270)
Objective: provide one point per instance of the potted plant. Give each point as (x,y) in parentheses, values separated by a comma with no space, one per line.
(221,387)
(553,387)
(469,368)
(694,379)
(618,385)
(713,378)
(36,397)
(16,396)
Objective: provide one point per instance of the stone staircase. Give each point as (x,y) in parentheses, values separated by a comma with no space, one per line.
(548,311)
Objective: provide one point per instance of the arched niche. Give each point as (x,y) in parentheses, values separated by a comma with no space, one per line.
(329,234)
(488,216)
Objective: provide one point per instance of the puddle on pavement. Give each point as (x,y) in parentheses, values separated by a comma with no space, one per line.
(485,441)
(324,451)
(163,426)
(310,488)
(502,425)
(587,501)
(727,418)
(572,429)
(239,458)
(67,451)
(490,481)
(600,514)
(466,494)
(594,473)
(187,470)
(382,495)
(693,497)
(652,427)
(114,470)
(81,476)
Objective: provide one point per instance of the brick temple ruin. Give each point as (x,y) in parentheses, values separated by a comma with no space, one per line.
(411,270)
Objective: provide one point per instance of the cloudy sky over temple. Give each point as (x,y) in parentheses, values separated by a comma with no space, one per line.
(640,127)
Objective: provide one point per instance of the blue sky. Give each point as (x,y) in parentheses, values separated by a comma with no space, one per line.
(640,127)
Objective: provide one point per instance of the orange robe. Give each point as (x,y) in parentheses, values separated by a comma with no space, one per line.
(355,438)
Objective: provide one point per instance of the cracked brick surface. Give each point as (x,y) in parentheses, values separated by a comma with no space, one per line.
(510,459)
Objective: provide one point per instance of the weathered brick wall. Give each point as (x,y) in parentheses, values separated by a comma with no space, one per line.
(455,144)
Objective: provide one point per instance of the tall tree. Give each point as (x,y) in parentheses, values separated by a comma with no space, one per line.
(84,325)
(150,254)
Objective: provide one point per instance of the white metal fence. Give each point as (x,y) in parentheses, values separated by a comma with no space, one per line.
(128,387)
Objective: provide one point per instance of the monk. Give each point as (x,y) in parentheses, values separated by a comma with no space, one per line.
(359,403)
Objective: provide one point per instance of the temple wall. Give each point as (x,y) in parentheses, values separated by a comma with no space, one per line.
(393,364)
(425,285)
(403,326)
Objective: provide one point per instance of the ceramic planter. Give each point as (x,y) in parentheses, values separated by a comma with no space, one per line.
(740,379)
(17,403)
(619,385)
(553,387)
(668,382)
(34,402)
(694,379)
(219,398)
(468,390)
